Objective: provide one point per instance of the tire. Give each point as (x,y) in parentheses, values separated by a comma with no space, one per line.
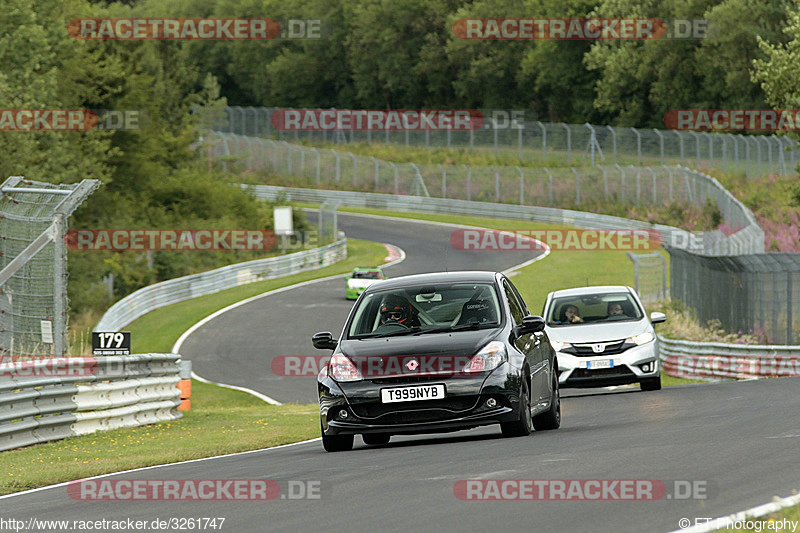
(336,443)
(376,439)
(651,384)
(550,419)
(521,427)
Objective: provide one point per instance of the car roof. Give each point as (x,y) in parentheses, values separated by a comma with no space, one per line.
(581,291)
(434,277)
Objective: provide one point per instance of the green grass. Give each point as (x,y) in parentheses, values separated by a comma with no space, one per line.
(221,421)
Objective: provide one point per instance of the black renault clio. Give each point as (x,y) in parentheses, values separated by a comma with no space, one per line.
(433,353)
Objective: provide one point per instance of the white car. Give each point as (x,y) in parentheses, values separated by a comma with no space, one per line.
(603,337)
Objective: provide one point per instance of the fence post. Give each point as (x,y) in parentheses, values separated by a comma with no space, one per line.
(661,144)
(496,185)
(638,183)
(544,140)
(521,186)
(710,149)
(622,173)
(653,172)
(469,182)
(318,163)
(697,146)
(745,138)
(670,180)
(444,181)
(577,186)
(338,166)
(613,142)
(377,172)
(355,168)
(605,181)
(494,127)
(569,143)
(638,146)
(396,178)
(680,142)
(550,185)
(519,141)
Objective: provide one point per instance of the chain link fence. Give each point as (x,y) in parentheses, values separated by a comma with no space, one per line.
(575,144)
(33,264)
(557,187)
(755,293)
(649,276)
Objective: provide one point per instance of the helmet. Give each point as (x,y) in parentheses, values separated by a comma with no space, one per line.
(395,309)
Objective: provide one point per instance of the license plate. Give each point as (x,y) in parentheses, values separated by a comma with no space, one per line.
(604,363)
(412,394)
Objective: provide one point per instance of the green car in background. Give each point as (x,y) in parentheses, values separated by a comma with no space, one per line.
(360,279)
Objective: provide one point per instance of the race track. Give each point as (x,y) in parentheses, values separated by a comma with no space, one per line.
(737,440)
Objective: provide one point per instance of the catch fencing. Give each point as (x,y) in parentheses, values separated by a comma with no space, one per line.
(33,263)
(54,398)
(755,294)
(575,188)
(177,290)
(549,143)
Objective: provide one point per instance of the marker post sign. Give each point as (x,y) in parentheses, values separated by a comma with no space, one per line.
(283,224)
(111,343)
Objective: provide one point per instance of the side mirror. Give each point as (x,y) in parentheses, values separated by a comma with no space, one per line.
(657,318)
(324,341)
(530,324)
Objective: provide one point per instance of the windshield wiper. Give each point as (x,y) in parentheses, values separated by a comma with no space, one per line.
(460,327)
(409,331)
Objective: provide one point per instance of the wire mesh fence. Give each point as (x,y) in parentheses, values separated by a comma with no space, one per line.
(575,187)
(650,276)
(756,293)
(573,144)
(33,264)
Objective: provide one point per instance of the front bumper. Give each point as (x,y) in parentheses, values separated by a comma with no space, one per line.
(631,366)
(463,407)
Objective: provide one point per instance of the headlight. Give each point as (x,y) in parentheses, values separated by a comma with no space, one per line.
(342,369)
(490,357)
(642,338)
(558,345)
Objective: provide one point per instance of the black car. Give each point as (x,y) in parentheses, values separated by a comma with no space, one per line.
(437,352)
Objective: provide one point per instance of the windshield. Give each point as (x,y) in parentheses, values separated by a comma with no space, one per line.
(367,275)
(426,310)
(593,309)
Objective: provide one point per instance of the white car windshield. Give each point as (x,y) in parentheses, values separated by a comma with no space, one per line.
(592,309)
(426,309)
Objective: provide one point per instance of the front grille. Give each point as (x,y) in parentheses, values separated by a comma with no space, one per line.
(585,350)
(618,371)
(425,410)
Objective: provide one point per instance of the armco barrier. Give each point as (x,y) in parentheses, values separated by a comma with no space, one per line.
(49,399)
(177,290)
(716,361)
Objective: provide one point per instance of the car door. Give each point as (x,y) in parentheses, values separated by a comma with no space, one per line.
(528,343)
(541,362)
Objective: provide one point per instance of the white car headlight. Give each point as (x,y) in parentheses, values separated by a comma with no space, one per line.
(642,338)
(558,345)
(490,357)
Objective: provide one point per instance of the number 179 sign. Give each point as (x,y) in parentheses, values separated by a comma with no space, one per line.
(111,343)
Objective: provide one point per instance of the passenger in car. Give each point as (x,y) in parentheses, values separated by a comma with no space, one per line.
(615,309)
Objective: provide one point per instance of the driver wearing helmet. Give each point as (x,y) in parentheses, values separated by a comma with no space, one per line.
(397,310)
